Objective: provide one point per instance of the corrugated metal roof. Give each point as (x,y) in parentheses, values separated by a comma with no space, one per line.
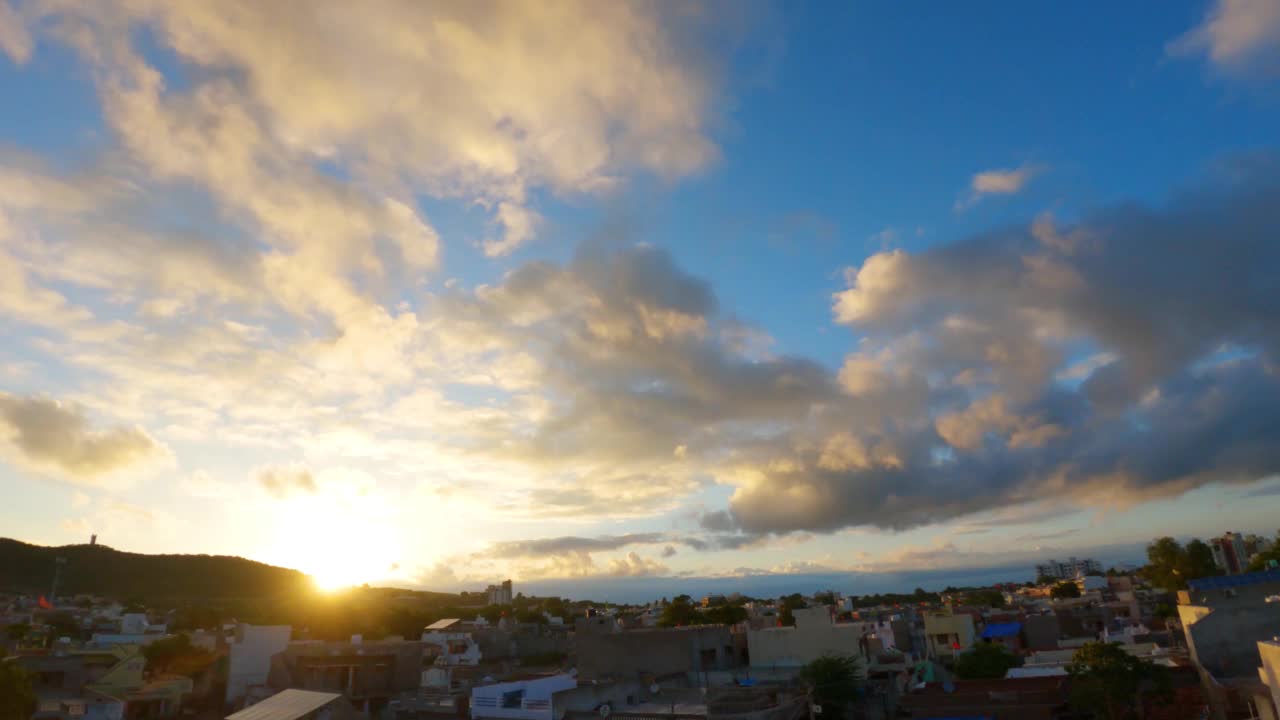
(443,624)
(1228,581)
(286,705)
(995,630)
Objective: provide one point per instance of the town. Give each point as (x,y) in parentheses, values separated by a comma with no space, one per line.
(1193,633)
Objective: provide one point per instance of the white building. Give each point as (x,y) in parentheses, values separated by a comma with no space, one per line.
(451,645)
(500,594)
(249,658)
(1070,569)
(529,699)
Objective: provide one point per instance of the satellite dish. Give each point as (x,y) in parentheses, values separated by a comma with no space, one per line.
(605,710)
(654,688)
(817,709)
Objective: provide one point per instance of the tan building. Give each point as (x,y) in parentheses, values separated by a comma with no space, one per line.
(814,635)
(948,633)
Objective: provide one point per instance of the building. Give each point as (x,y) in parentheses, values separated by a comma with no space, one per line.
(367,674)
(1070,569)
(499,594)
(1227,621)
(815,634)
(298,705)
(101,684)
(948,633)
(249,660)
(528,698)
(606,652)
(1229,553)
(1026,698)
(1269,673)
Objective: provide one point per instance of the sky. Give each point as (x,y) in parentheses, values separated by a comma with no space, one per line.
(625,299)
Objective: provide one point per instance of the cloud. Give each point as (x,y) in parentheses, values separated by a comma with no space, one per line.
(50,436)
(282,481)
(1236,35)
(570,544)
(632,565)
(991,322)
(488,115)
(1008,181)
(15,41)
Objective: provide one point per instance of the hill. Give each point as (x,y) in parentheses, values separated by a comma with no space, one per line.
(101,570)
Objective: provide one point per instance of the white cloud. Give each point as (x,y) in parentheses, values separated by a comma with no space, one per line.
(1007,181)
(1236,35)
(15,41)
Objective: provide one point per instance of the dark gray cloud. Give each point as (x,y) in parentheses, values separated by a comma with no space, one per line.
(1184,298)
(1127,356)
(569,544)
(53,435)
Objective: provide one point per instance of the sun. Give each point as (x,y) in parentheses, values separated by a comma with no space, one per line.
(338,547)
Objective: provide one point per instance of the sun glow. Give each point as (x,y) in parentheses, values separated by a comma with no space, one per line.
(340,540)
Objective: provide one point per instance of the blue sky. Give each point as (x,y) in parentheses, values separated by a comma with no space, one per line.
(812,292)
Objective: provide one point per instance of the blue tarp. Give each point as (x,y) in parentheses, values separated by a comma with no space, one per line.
(998,630)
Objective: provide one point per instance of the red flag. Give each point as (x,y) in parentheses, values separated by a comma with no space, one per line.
(44,604)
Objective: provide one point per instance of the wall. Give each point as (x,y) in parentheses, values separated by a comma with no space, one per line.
(960,626)
(1269,673)
(250,656)
(1224,640)
(1042,631)
(813,636)
(624,655)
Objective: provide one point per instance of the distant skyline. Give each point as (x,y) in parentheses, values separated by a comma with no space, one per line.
(624,297)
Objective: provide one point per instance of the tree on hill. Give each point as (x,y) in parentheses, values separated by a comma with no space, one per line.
(1109,683)
(17,698)
(834,682)
(726,614)
(101,570)
(1065,589)
(985,660)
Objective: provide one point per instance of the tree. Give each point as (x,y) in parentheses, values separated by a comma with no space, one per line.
(825,598)
(790,603)
(985,660)
(531,616)
(1170,565)
(985,598)
(726,614)
(833,682)
(17,631)
(17,698)
(679,612)
(1110,683)
(175,654)
(1065,589)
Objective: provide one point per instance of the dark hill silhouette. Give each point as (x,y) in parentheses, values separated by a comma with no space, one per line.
(101,570)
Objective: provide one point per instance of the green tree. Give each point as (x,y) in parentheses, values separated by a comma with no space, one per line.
(1065,589)
(1170,565)
(834,682)
(17,698)
(985,598)
(175,654)
(1046,580)
(790,603)
(1110,683)
(679,612)
(531,616)
(985,660)
(726,614)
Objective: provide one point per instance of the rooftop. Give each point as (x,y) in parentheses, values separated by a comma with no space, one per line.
(1229,581)
(286,705)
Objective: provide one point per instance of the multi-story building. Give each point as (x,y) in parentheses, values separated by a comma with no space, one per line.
(249,656)
(1072,568)
(499,594)
(948,633)
(1229,553)
(367,674)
